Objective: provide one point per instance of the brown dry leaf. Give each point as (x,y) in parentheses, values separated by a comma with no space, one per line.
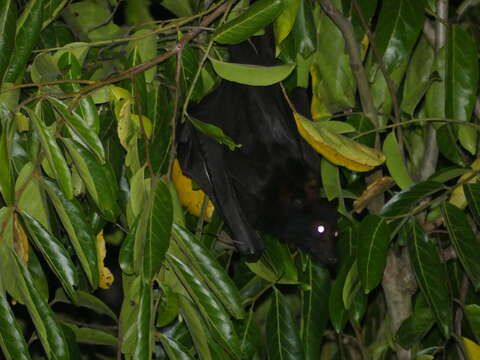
(337,148)
(375,188)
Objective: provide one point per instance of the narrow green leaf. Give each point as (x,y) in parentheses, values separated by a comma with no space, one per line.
(97,177)
(373,242)
(126,256)
(431,275)
(6,128)
(283,341)
(8,15)
(78,228)
(210,307)
(447,136)
(174,349)
(472,192)
(54,253)
(158,229)
(214,132)
(259,15)
(395,163)
(472,312)
(330,179)
(54,153)
(86,335)
(12,342)
(464,241)
(79,128)
(285,21)
(209,269)
(26,39)
(401,203)
(168,306)
(304,30)
(86,300)
(144,346)
(314,308)
(46,324)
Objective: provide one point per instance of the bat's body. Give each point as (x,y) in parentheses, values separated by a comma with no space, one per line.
(269,182)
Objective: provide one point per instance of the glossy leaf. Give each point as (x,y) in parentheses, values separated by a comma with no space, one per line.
(54,253)
(431,275)
(401,203)
(285,21)
(258,15)
(283,341)
(29,25)
(464,241)
(53,153)
(373,243)
(79,231)
(462,81)
(46,324)
(87,301)
(80,128)
(158,221)
(126,256)
(210,307)
(209,269)
(174,350)
(447,137)
(314,308)
(395,162)
(12,342)
(472,192)
(97,177)
(168,306)
(8,15)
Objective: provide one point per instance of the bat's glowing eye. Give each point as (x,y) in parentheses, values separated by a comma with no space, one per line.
(335,234)
(320,229)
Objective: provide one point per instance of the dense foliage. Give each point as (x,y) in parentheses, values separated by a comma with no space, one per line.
(100,260)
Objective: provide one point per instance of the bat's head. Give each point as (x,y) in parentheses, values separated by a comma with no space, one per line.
(312,226)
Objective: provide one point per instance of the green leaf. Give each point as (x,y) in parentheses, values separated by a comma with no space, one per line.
(158,221)
(395,163)
(397,30)
(144,346)
(254,75)
(415,327)
(304,30)
(259,15)
(472,192)
(12,342)
(401,203)
(126,256)
(373,242)
(79,127)
(431,276)
(215,133)
(209,305)
(283,341)
(53,153)
(6,134)
(314,308)
(181,8)
(338,313)
(25,40)
(54,253)
(8,15)
(168,306)
(46,324)
(330,179)
(285,21)
(464,241)
(78,228)
(71,69)
(209,270)
(418,77)
(86,300)
(86,335)
(447,136)
(472,312)
(97,177)
(174,349)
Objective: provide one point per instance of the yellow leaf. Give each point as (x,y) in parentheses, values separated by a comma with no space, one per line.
(472,349)
(191,199)
(106,276)
(337,148)
(21,240)
(458,195)
(317,108)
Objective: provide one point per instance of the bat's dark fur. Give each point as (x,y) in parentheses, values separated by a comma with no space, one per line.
(268,183)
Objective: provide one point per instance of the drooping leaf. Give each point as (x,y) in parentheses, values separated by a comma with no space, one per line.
(86,335)
(144,324)
(373,242)
(431,275)
(174,349)
(283,341)
(395,162)
(8,11)
(464,241)
(215,133)
(86,300)
(414,328)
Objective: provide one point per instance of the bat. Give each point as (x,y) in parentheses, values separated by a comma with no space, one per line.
(270,182)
